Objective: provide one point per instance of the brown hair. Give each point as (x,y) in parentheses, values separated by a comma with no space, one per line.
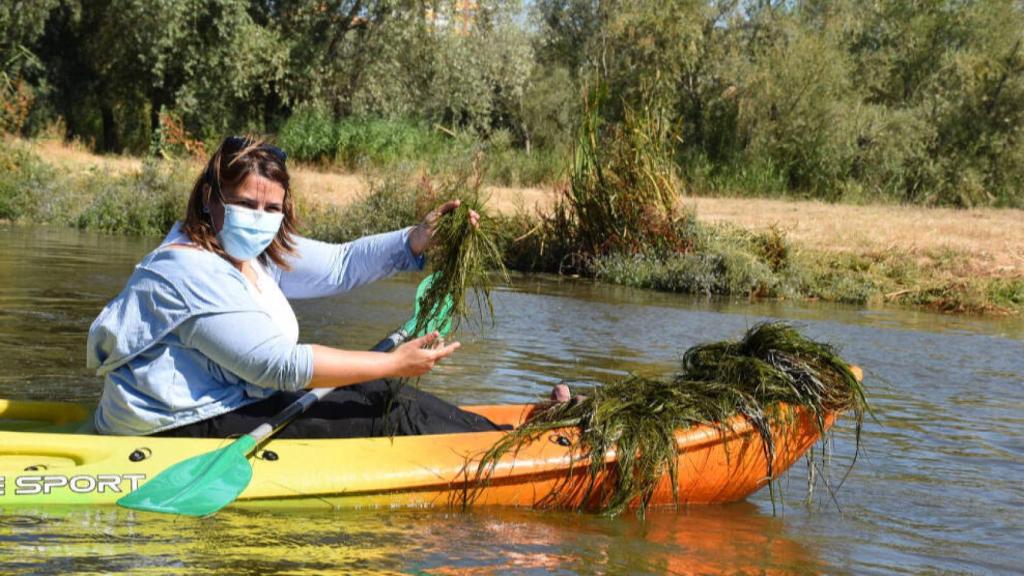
(235,159)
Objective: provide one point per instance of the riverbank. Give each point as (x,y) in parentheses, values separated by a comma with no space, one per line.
(952,260)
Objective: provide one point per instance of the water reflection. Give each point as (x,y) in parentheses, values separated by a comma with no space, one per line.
(712,540)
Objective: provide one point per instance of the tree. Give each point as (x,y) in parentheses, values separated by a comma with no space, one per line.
(118,63)
(21,25)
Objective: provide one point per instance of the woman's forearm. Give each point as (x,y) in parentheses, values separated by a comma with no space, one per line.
(333,367)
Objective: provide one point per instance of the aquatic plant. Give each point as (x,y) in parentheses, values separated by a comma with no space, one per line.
(463,255)
(638,417)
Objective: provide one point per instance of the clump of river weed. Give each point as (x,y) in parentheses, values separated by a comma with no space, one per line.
(463,256)
(772,367)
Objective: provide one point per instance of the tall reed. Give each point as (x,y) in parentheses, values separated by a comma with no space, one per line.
(622,182)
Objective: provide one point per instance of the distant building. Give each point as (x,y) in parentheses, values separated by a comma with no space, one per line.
(459,15)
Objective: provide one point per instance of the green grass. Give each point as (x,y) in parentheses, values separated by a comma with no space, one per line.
(380,144)
(146,203)
(27,184)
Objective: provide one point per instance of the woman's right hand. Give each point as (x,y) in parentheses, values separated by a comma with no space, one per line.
(417,357)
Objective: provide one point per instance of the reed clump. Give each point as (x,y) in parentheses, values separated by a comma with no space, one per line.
(622,184)
(638,417)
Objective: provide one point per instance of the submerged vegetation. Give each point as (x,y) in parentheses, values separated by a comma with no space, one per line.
(772,366)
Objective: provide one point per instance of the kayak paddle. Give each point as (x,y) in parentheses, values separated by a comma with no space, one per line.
(202,485)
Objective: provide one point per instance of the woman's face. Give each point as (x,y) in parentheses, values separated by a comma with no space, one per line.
(255,193)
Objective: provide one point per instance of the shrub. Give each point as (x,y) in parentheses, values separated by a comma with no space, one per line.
(309,135)
(383,142)
(389,204)
(145,204)
(27,184)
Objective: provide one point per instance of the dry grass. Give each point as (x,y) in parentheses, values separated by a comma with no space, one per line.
(327,187)
(343,189)
(77,158)
(991,239)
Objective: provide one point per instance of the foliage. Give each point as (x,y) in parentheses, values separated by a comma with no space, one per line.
(310,135)
(21,25)
(389,204)
(16,99)
(721,259)
(509,165)
(638,418)
(25,182)
(143,204)
(116,64)
(547,110)
(378,144)
(893,101)
(896,101)
(478,79)
(171,139)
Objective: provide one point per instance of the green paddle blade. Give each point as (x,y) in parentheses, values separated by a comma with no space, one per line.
(198,486)
(440,317)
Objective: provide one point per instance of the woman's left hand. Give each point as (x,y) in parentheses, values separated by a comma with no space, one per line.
(421,236)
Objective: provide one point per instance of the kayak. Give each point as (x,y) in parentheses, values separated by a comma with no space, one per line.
(48,457)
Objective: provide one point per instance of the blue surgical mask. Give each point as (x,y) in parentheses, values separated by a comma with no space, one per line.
(247,233)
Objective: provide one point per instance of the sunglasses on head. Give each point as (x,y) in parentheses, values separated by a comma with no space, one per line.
(240,142)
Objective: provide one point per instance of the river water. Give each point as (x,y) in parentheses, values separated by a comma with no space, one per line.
(939,486)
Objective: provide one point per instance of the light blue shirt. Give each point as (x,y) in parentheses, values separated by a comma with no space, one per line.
(185,341)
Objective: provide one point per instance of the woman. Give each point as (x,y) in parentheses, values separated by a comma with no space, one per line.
(202,340)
